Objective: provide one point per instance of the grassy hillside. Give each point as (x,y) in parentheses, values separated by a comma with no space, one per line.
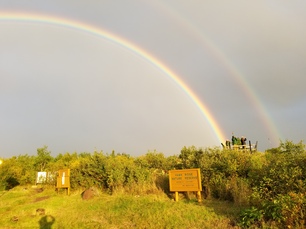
(133,192)
(18,209)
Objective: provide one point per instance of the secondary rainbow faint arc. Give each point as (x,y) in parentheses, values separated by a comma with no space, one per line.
(226,63)
(55,20)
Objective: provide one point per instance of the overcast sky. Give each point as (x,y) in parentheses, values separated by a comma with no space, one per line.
(75,91)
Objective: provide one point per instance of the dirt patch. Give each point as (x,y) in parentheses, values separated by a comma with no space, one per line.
(41,198)
(38,190)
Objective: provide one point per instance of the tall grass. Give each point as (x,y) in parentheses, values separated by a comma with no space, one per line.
(120,210)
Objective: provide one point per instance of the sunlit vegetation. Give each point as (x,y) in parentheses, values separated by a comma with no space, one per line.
(240,189)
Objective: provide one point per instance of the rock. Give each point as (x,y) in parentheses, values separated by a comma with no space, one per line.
(88,194)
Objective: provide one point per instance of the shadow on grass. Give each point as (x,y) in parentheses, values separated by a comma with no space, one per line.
(46,222)
(224,208)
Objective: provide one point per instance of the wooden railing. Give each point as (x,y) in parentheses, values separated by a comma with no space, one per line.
(250,147)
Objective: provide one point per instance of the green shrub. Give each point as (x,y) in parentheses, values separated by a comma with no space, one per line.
(251,216)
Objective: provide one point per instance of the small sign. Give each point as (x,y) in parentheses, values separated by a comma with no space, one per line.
(41,177)
(45,178)
(185,180)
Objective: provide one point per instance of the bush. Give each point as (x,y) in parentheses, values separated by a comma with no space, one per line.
(251,216)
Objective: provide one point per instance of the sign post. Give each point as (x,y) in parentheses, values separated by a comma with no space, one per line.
(185,180)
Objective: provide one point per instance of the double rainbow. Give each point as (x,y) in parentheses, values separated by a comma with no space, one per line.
(73,24)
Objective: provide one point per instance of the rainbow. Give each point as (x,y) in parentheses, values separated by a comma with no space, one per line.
(73,24)
(272,132)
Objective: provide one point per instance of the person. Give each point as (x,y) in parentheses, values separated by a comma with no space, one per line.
(243,141)
(234,140)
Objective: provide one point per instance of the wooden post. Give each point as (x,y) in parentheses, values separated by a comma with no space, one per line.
(199,197)
(176,196)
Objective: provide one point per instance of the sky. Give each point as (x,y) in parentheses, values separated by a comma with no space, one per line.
(138,76)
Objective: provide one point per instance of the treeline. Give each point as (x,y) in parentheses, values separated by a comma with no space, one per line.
(270,185)
(108,172)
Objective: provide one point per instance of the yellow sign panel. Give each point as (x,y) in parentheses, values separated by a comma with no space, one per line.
(185,180)
(63,179)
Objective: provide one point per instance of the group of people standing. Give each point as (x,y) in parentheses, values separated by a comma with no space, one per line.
(236,141)
(239,144)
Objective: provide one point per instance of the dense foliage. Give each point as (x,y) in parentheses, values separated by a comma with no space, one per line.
(270,186)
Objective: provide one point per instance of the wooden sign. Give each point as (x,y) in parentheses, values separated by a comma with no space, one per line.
(63,179)
(185,180)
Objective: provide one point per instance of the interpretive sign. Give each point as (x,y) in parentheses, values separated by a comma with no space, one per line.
(44,178)
(41,177)
(185,180)
(63,179)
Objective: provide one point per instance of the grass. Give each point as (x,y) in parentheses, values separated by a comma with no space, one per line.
(18,210)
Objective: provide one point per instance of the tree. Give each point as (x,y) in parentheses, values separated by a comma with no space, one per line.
(288,147)
(43,158)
